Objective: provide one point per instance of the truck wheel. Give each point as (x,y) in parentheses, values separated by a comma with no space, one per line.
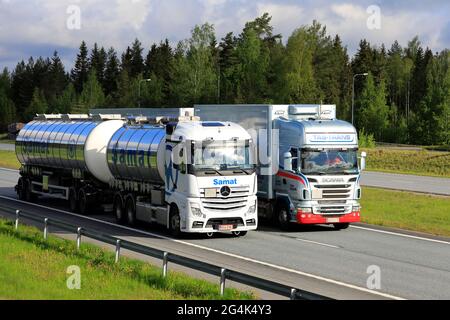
(118,210)
(21,189)
(29,195)
(82,201)
(282,214)
(239,233)
(341,226)
(73,201)
(175,221)
(131,211)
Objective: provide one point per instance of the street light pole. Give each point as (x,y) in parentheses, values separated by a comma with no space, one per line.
(139,90)
(353,94)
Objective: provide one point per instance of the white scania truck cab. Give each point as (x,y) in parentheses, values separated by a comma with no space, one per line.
(308,170)
(189,175)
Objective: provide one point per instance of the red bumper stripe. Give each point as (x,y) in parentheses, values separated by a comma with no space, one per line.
(309,218)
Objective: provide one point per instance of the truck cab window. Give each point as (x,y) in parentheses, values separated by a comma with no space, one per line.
(295,154)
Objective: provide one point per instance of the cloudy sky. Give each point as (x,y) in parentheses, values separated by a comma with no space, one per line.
(38,27)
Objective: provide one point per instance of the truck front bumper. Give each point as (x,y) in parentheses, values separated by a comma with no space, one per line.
(310,218)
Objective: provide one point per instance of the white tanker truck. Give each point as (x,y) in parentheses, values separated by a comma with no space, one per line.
(188,175)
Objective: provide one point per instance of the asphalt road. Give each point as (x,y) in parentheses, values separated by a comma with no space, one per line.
(7,147)
(406,182)
(318,259)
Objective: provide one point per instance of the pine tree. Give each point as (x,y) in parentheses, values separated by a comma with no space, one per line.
(112,73)
(58,80)
(373,111)
(124,96)
(159,66)
(125,63)
(38,105)
(92,95)
(80,72)
(97,62)
(136,59)
(67,101)
(22,87)
(7,108)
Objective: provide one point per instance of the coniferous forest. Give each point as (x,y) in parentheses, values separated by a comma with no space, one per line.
(404,99)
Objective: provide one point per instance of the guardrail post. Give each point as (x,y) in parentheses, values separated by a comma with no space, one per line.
(165,263)
(17,219)
(222,281)
(45,228)
(78,238)
(117,250)
(293,294)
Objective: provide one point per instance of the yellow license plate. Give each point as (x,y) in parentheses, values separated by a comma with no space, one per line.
(332,220)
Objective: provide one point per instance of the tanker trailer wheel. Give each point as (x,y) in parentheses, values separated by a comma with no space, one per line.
(83,201)
(21,185)
(119,210)
(29,195)
(131,210)
(73,201)
(175,221)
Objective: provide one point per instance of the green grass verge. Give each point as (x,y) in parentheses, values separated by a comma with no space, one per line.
(405,210)
(424,162)
(31,268)
(9,160)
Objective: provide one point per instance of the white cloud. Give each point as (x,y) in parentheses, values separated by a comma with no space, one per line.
(285,17)
(29,24)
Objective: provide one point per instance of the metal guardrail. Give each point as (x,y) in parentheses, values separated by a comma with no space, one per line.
(166,257)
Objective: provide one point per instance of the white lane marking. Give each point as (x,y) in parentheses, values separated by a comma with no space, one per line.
(319,243)
(401,235)
(11,170)
(351,286)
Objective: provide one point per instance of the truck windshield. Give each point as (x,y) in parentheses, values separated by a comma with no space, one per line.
(329,161)
(222,155)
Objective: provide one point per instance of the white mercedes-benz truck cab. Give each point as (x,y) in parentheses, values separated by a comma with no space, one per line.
(212,177)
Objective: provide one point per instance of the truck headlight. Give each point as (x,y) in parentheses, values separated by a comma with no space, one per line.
(306,210)
(356,208)
(252,209)
(196,210)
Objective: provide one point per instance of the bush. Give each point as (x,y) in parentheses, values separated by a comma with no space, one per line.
(366,140)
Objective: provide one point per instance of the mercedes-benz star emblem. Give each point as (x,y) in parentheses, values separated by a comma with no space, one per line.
(225,191)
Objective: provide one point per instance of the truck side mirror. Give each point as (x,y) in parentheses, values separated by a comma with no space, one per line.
(287,161)
(363,161)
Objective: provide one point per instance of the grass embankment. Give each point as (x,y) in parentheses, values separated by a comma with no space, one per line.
(31,268)
(405,210)
(423,162)
(9,160)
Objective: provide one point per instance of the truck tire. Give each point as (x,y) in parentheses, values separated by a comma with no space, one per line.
(73,200)
(21,185)
(29,195)
(174,221)
(341,226)
(83,202)
(130,210)
(282,216)
(119,209)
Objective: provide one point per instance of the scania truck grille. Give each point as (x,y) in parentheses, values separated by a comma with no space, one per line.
(335,192)
(236,200)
